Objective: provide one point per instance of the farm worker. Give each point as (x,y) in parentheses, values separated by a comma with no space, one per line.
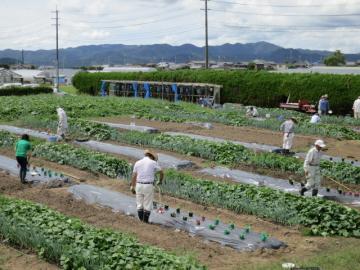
(356,108)
(324,105)
(315,118)
(62,124)
(142,183)
(252,112)
(312,168)
(23,154)
(288,129)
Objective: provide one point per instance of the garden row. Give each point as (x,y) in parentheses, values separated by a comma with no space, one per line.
(25,90)
(228,153)
(262,89)
(319,216)
(300,116)
(72,244)
(44,106)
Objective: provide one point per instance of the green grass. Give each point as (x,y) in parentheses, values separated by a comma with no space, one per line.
(341,258)
(69,89)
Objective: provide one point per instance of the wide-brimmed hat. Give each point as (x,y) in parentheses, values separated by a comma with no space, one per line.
(150,152)
(320,143)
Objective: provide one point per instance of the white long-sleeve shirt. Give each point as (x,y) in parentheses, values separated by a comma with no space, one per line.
(313,158)
(288,126)
(315,119)
(356,106)
(63,123)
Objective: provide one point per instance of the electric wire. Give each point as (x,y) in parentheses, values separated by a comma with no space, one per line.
(275,5)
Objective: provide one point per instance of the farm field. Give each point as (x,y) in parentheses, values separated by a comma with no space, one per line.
(304,224)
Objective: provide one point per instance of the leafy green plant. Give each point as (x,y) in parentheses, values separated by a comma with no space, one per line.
(83,159)
(75,245)
(320,216)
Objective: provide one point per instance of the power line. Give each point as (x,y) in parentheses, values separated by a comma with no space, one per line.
(274,5)
(303,27)
(287,15)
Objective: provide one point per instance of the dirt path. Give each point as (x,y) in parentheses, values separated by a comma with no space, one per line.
(346,148)
(12,259)
(212,255)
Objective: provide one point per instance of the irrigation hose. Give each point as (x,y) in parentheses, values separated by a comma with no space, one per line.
(339,183)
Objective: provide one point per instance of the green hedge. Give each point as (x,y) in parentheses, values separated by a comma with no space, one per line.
(23,91)
(262,88)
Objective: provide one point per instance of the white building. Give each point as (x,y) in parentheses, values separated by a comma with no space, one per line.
(8,76)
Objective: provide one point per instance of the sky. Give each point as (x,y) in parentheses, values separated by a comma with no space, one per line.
(307,24)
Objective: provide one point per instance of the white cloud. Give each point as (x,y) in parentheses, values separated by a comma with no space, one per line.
(180,21)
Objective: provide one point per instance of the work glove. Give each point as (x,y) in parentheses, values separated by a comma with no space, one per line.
(132,189)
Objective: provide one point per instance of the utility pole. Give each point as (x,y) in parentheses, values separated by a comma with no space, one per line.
(22,56)
(57,48)
(206,35)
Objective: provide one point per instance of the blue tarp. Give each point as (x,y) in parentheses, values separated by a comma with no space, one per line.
(135,88)
(103,89)
(147,89)
(175,91)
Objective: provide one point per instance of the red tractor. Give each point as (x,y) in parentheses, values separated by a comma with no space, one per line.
(302,106)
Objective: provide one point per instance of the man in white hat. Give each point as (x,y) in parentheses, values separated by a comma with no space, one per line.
(288,129)
(142,183)
(356,108)
(312,168)
(62,123)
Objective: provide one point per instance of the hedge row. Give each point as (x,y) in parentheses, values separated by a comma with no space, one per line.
(262,88)
(23,91)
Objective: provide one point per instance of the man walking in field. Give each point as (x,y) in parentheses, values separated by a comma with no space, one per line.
(23,154)
(312,168)
(356,108)
(288,129)
(142,183)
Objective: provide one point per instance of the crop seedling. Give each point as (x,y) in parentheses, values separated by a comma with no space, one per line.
(173,215)
(264,237)
(242,236)
(247,228)
(191,214)
(212,227)
(217,222)
(185,218)
(232,226)
(226,232)
(178,210)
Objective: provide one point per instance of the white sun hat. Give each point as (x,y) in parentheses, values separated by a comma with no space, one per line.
(320,143)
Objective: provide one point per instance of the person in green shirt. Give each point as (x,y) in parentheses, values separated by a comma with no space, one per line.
(23,154)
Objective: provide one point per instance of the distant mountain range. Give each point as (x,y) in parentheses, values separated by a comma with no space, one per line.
(142,54)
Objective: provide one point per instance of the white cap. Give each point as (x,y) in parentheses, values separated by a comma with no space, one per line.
(320,143)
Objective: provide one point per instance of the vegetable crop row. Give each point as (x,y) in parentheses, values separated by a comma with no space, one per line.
(44,106)
(75,245)
(226,153)
(319,216)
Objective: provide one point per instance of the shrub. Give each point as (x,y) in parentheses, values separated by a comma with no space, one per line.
(23,91)
(262,88)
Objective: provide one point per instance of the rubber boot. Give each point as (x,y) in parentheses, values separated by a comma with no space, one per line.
(314,192)
(141,214)
(146,216)
(22,175)
(303,190)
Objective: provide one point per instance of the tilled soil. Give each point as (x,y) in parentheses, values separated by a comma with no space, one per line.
(213,255)
(341,148)
(12,259)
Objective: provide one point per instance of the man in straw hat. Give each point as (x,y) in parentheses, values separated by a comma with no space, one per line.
(288,129)
(312,168)
(356,108)
(142,183)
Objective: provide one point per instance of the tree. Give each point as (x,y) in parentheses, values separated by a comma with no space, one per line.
(335,59)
